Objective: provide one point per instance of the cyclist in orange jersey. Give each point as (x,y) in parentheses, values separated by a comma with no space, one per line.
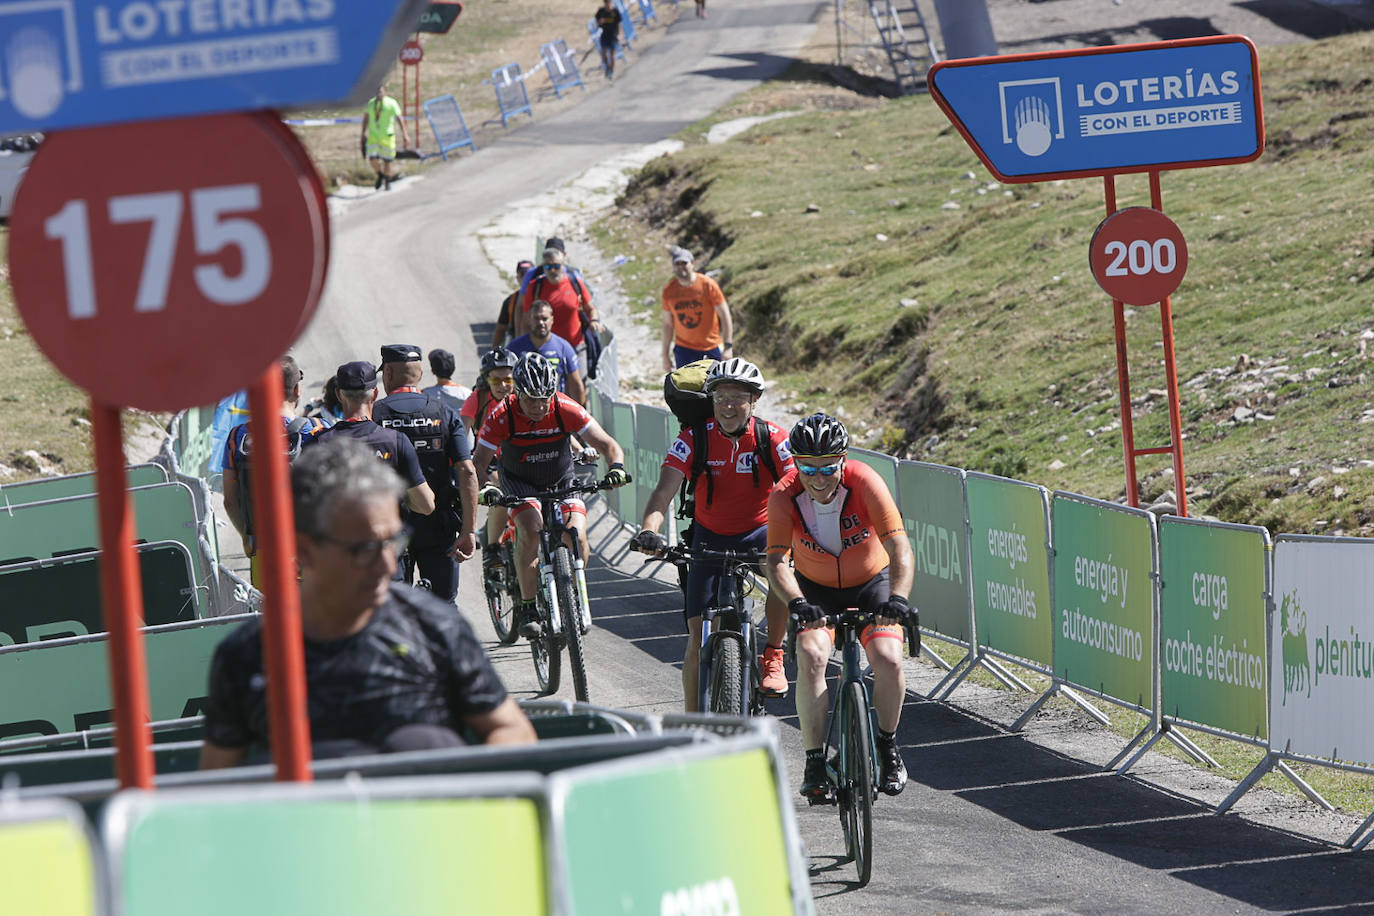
(840,525)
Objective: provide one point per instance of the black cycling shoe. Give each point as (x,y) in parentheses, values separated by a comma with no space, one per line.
(892,778)
(816,786)
(528,622)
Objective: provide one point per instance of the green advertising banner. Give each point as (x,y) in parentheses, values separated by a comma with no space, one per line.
(646,842)
(885,465)
(65,686)
(625,500)
(931,498)
(1212,624)
(655,429)
(46,865)
(418,856)
(1010,558)
(1104,636)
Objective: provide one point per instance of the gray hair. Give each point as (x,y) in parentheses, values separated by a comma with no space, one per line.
(338,470)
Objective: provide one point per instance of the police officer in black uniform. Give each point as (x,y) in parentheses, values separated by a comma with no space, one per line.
(357,389)
(445,538)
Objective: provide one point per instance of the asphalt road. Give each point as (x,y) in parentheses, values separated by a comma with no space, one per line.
(991,822)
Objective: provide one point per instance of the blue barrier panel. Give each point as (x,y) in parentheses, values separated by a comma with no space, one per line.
(627,25)
(450,129)
(511,96)
(558,61)
(646,12)
(596,39)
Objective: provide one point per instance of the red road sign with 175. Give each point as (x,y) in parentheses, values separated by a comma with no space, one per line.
(1138,256)
(179,269)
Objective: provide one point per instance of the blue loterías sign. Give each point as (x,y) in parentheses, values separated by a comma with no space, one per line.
(1098,111)
(78,63)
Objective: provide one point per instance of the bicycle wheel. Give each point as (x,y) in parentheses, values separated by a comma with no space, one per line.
(856,782)
(567,605)
(548,657)
(501,587)
(724,693)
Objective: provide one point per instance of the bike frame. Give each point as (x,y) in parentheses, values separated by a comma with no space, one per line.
(848,627)
(551,534)
(737,622)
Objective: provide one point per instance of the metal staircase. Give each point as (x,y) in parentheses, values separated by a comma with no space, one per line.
(910,50)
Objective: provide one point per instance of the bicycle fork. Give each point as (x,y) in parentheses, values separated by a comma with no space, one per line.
(550,589)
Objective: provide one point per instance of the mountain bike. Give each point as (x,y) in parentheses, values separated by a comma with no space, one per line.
(729,675)
(854,767)
(563,609)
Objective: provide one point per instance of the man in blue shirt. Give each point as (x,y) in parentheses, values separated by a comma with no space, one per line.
(555,349)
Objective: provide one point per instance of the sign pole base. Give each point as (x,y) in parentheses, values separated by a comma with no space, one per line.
(121,591)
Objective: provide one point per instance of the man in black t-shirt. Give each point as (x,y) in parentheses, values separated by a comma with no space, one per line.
(387,667)
(608,21)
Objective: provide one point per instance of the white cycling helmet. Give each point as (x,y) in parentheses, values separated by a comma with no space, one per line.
(735,372)
(535,376)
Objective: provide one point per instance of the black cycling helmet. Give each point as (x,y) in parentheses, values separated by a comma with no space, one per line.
(818,436)
(535,376)
(498,358)
(735,372)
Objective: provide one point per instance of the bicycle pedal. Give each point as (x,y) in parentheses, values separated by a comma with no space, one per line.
(823,798)
(532,630)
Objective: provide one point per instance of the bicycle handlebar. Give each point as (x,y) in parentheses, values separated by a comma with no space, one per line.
(559,492)
(857,619)
(681,555)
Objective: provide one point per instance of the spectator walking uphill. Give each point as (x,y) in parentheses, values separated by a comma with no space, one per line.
(238,465)
(444,538)
(566,290)
(505,319)
(608,21)
(387,667)
(555,349)
(381,118)
(696,317)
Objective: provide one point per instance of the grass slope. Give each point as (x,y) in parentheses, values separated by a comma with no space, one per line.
(876,269)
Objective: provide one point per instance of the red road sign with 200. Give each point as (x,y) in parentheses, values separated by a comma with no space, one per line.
(1138,256)
(166,281)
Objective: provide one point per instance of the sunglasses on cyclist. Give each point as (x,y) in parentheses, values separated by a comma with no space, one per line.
(828,470)
(506,382)
(365,553)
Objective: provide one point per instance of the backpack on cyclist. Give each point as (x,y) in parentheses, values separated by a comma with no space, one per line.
(294,438)
(684,394)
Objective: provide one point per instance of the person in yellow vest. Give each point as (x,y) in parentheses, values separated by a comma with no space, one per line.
(381,119)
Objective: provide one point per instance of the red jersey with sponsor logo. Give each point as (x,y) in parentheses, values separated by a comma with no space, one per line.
(737,503)
(536,451)
(868,516)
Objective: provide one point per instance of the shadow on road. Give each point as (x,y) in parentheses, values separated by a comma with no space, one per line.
(1043,790)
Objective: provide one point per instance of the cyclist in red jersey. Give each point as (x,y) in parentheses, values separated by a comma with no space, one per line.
(494,382)
(731,507)
(838,522)
(533,431)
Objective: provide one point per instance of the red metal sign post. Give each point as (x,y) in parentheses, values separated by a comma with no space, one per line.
(1139,257)
(166,280)
(412,53)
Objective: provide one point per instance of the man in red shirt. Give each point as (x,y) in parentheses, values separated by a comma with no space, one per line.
(731,507)
(533,429)
(840,526)
(568,295)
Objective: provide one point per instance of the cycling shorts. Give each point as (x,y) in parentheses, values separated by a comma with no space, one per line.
(868,597)
(514,487)
(703,577)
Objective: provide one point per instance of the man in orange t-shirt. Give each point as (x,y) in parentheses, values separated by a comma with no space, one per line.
(696,317)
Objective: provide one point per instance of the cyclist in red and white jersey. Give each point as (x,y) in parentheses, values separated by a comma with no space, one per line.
(494,382)
(731,506)
(837,521)
(533,430)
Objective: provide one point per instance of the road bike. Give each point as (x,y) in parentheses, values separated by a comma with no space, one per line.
(562,608)
(853,768)
(729,677)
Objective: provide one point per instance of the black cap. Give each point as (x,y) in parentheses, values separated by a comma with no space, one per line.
(442,363)
(400,353)
(356,376)
(555,243)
